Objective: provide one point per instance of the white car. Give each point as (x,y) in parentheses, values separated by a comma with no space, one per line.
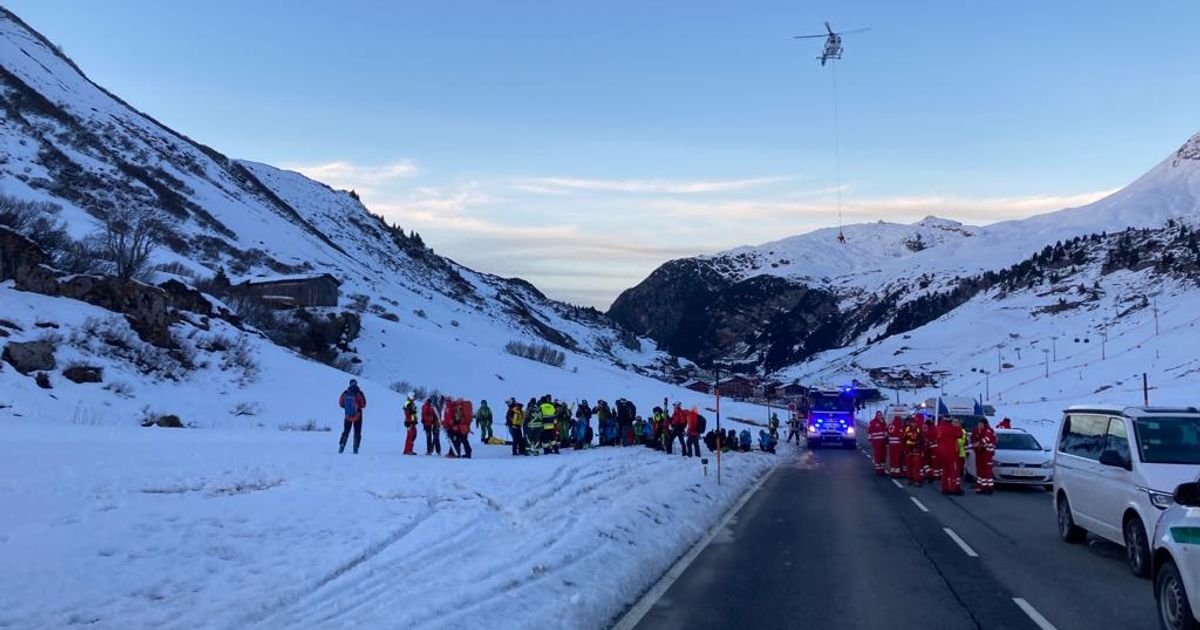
(1019,460)
(1116,469)
(1176,561)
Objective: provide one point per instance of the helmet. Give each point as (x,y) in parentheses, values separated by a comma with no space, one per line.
(354,381)
(412,395)
(583,402)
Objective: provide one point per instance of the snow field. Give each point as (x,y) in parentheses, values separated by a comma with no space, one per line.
(135,527)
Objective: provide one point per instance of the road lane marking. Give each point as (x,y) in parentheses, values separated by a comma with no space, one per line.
(631,619)
(1034,614)
(961,543)
(919,504)
(897,484)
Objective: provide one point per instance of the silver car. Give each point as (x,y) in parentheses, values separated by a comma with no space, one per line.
(1019,460)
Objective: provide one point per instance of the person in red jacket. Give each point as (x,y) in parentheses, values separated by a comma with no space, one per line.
(462,429)
(895,439)
(429,422)
(933,468)
(352,401)
(410,425)
(678,425)
(914,447)
(948,437)
(984,443)
(693,434)
(1004,424)
(877,436)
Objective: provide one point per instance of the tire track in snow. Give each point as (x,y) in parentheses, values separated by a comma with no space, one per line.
(366,555)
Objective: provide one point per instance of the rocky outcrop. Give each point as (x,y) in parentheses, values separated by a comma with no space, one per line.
(148,308)
(693,310)
(30,356)
(24,262)
(83,374)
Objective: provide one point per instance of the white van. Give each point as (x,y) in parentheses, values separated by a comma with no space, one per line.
(1115,470)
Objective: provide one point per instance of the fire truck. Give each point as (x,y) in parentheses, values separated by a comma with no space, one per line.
(831,418)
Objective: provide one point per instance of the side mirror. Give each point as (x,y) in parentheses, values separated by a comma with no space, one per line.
(1188,494)
(1112,458)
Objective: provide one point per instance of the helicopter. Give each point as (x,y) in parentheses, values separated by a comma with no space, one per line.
(833,42)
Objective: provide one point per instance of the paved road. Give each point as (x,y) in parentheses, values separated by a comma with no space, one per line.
(826,544)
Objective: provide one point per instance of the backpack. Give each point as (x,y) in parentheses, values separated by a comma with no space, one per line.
(700,424)
(350,403)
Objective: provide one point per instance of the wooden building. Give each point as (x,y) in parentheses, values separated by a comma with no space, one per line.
(309,290)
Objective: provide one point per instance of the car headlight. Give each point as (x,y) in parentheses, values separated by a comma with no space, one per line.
(812,428)
(1160,500)
(849,430)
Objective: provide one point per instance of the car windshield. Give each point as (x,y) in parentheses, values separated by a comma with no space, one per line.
(822,401)
(1167,440)
(1017,442)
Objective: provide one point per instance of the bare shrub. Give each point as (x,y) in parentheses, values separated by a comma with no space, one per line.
(128,237)
(246,409)
(113,338)
(36,220)
(541,353)
(120,388)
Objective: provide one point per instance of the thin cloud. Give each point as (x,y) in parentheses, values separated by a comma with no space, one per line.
(351,176)
(565,185)
(899,208)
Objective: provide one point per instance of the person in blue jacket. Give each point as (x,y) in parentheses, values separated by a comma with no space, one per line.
(744,440)
(765,442)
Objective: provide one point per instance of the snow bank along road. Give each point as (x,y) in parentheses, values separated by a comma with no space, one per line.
(827,544)
(120,527)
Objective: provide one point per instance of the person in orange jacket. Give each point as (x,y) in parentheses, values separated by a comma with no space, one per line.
(932,467)
(410,425)
(877,436)
(352,401)
(914,446)
(429,423)
(949,436)
(983,440)
(895,439)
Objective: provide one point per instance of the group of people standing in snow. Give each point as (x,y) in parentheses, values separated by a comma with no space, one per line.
(920,450)
(547,425)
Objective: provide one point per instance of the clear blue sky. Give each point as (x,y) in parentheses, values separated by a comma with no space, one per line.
(579,144)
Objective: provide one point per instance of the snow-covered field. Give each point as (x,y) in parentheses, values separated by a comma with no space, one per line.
(131,527)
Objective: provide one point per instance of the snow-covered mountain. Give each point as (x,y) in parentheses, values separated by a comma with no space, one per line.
(781,302)
(425,319)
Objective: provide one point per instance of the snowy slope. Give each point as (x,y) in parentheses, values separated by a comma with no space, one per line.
(1083,335)
(249,517)
(66,140)
(847,293)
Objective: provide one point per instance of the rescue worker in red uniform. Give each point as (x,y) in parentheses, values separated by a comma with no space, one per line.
(984,443)
(410,425)
(1004,424)
(914,447)
(933,470)
(895,438)
(877,435)
(948,437)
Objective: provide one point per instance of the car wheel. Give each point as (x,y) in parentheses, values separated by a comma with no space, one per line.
(1067,529)
(1137,547)
(1174,611)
